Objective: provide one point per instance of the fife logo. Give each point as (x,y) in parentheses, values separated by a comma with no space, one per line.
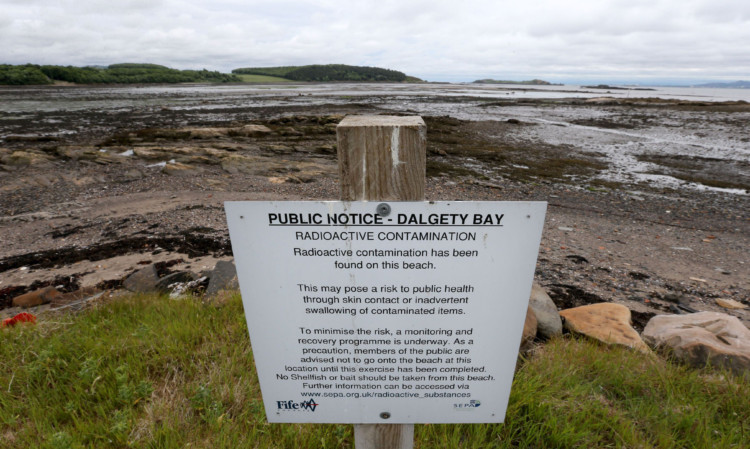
(290,405)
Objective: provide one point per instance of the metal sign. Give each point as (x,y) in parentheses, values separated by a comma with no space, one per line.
(397,312)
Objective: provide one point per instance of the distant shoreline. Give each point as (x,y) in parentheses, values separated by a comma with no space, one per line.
(534,82)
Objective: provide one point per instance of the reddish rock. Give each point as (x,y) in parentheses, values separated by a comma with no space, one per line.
(606,322)
(36,298)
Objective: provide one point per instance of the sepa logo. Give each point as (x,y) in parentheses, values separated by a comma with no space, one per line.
(308,405)
(468,405)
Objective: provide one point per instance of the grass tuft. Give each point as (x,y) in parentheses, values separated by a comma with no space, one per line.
(148,371)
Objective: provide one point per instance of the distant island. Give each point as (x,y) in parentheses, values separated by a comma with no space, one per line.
(608,87)
(534,82)
(128,73)
(322,73)
(727,85)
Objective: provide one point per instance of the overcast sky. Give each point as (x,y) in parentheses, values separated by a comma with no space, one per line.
(605,40)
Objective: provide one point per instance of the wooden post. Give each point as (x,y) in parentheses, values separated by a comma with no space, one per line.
(382,158)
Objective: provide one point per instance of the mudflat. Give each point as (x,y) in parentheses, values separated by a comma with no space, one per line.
(648,203)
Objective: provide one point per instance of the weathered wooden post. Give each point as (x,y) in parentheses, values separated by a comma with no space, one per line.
(382,158)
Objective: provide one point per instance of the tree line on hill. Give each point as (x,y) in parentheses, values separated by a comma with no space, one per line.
(329,72)
(30,74)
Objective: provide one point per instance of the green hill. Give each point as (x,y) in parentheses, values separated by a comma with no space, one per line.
(128,73)
(329,72)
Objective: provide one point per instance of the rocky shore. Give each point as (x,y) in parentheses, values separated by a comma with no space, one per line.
(145,186)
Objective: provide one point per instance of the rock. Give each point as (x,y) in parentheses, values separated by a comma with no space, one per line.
(548,318)
(251,131)
(152,154)
(133,174)
(87,153)
(177,168)
(193,160)
(21,157)
(529,330)
(235,163)
(36,298)
(277,180)
(701,338)
(289,131)
(606,322)
(177,277)
(223,277)
(206,133)
(676,298)
(730,304)
(142,281)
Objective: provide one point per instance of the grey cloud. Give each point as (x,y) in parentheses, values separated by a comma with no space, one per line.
(432,39)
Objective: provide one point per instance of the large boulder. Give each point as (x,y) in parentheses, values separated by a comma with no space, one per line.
(223,277)
(548,318)
(143,280)
(701,338)
(607,322)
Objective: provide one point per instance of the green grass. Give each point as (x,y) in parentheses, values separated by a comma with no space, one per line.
(262,79)
(152,372)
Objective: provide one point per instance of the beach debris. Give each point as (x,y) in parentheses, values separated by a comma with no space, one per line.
(182,288)
(23,317)
(168,282)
